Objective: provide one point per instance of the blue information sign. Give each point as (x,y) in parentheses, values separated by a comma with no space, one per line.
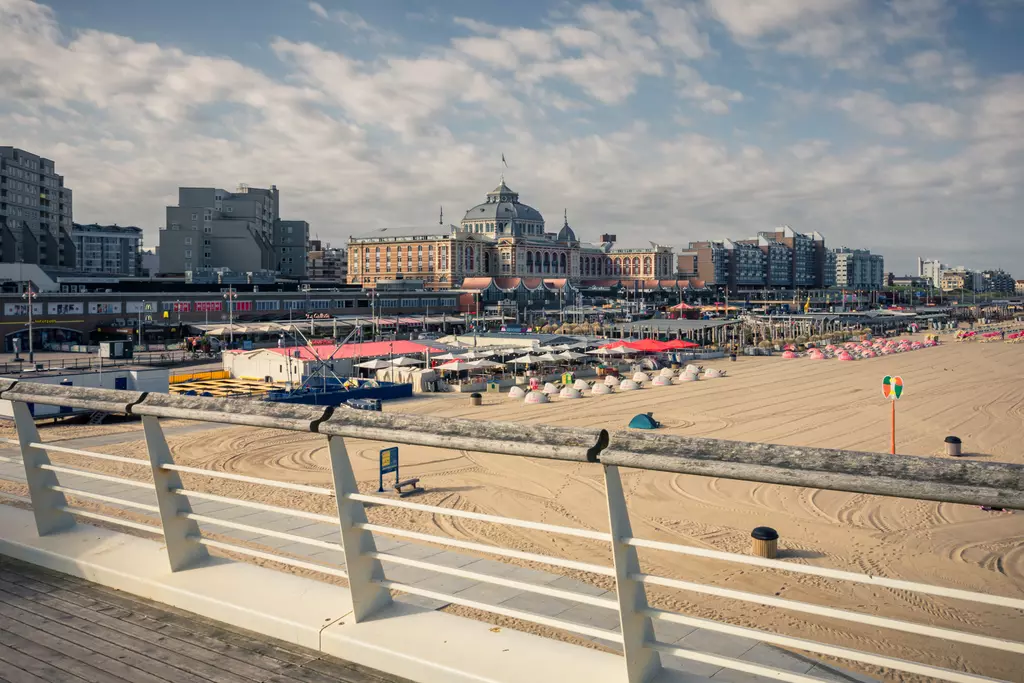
(388,464)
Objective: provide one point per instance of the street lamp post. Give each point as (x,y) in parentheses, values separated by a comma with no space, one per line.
(142,307)
(29,295)
(230,297)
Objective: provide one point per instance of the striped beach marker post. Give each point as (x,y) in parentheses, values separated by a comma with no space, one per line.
(892,389)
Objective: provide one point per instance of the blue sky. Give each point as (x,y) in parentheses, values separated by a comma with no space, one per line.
(895,126)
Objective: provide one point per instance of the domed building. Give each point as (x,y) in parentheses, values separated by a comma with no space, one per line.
(502,239)
(502,215)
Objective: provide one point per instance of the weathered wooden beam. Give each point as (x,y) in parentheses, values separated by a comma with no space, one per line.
(236,411)
(926,478)
(508,438)
(88,398)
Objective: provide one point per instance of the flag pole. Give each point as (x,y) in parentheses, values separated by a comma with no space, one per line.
(892,440)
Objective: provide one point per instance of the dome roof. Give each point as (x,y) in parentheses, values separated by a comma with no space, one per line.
(566,234)
(503,204)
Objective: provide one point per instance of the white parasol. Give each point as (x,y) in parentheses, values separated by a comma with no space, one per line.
(403,361)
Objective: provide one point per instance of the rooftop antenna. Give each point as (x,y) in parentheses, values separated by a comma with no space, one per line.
(440,221)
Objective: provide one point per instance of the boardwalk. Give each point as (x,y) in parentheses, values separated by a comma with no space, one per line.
(57,629)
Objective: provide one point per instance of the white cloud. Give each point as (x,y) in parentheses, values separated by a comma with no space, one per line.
(875,112)
(356,144)
(713,98)
(355,23)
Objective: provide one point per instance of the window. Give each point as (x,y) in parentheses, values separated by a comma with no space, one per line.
(289,229)
(195,216)
(188,240)
(188,253)
(230,209)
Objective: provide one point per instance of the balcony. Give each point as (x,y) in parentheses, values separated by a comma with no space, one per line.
(379,609)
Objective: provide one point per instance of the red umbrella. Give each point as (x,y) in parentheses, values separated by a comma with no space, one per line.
(679,344)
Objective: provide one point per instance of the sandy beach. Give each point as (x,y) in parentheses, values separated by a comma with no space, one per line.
(974,391)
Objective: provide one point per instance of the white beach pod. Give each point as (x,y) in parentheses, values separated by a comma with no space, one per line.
(580,385)
(711,373)
(662,381)
(611,381)
(536,397)
(628,385)
(641,378)
(550,389)
(688,377)
(600,390)
(570,392)
(516,392)
(667,372)
(692,369)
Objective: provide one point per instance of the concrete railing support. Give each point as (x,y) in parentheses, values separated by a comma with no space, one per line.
(364,572)
(181,535)
(46,503)
(642,663)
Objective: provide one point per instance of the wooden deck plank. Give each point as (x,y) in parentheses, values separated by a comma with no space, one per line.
(183,626)
(166,644)
(58,637)
(19,667)
(110,627)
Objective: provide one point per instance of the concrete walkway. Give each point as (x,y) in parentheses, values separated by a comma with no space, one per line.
(684,636)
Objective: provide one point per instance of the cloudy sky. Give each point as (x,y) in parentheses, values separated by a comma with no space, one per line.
(896,126)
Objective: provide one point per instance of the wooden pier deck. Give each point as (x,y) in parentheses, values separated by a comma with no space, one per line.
(55,629)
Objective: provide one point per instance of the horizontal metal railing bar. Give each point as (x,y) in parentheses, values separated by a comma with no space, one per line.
(248,480)
(110,520)
(258,530)
(18,461)
(582,629)
(489,549)
(91,454)
(494,519)
(959,594)
(95,475)
(241,502)
(730,663)
(584,598)
(312,566)
(808,646)
(105,499)
(844,615)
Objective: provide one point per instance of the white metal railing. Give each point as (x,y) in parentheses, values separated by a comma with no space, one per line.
(370,590)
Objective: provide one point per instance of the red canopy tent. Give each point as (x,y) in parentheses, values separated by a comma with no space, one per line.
(675,344)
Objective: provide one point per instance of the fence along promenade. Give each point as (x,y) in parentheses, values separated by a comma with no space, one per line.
(933,479)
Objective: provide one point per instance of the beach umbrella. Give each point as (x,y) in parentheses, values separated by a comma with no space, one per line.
(375,364)
(525,360)
(571,355)
(484,364)
(548,358)
(547,349)
(674,344)
(455,366)
(478,354)
(404,361)
(447,356)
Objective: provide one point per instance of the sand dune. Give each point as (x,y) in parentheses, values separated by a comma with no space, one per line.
(975,391)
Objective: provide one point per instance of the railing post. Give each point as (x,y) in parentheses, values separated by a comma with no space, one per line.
(368,596)
(46,502)
(180,534)
(642,663)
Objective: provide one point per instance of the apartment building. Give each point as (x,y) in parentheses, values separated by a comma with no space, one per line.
(858,269)
(108,249)
(35,211)
(327,263)
(241,230)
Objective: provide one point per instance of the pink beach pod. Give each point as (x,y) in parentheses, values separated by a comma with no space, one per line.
(844,356)
(789,354)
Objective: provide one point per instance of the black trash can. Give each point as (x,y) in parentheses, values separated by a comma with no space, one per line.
(766,542)
(953,446)
(476,399)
